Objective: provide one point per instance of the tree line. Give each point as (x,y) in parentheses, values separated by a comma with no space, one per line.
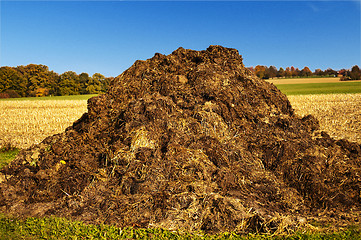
(265,72)
(35,80)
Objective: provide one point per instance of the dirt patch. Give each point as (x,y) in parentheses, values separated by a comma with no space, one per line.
(193,141)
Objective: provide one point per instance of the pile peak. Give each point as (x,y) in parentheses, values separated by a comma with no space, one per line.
(191,140)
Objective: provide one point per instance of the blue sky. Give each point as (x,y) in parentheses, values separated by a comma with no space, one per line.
(109,36)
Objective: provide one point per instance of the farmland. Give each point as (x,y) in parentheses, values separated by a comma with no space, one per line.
(25,122)
(278,81)
(338,114)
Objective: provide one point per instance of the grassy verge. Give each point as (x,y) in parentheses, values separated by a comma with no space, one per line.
(7,154)
(320,88)
(71,97)
(59,228)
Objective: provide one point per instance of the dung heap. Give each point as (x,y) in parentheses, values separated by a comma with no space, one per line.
(193,141)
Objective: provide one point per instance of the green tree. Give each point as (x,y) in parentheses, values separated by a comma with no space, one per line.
(106,83)
(84,80)
(95,83)
(69,83)
(52,83)
(10,79)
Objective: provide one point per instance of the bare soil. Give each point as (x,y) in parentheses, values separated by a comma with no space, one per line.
(191,141)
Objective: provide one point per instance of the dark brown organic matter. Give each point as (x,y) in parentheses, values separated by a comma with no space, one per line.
(193,141)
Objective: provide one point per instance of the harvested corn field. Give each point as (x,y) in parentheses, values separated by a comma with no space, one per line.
(24,123)
(192,141)
(338,114)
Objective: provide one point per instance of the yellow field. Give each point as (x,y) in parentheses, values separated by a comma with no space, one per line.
(338,114)
(24,123)
(304,80)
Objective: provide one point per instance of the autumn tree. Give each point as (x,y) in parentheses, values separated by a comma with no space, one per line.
(330,72)
(281,72)
(343,72)
(38,76)
(260,71)
(35,76)
(270,72)
(319,72)
(305,72)
(10,79)
(288,72)
(355,73)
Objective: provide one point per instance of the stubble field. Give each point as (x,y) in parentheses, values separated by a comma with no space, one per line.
(338,114)
(27,122)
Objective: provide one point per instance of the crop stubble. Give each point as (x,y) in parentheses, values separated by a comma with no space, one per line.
(338,114)
(23,123)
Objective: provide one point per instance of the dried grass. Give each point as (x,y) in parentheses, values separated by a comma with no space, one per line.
(24,123)
(339,114)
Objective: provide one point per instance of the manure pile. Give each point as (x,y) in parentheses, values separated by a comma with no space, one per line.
(193,141)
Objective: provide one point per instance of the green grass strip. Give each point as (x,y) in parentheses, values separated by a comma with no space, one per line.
(7,156)
(60,228)
(320,88)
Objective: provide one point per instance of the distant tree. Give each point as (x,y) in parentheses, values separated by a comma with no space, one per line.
(355,73)
(95,83)
(69,83)
(10,79)
(271,72)
(288,72)
(38,76)
(35,76)
(41,92)
(319,72)
(330,72)
(52,83)
(84,80)
(305,72)
(106,83)
(343,72)
(295,72)
(281,72)
(9,94)
(260,71)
